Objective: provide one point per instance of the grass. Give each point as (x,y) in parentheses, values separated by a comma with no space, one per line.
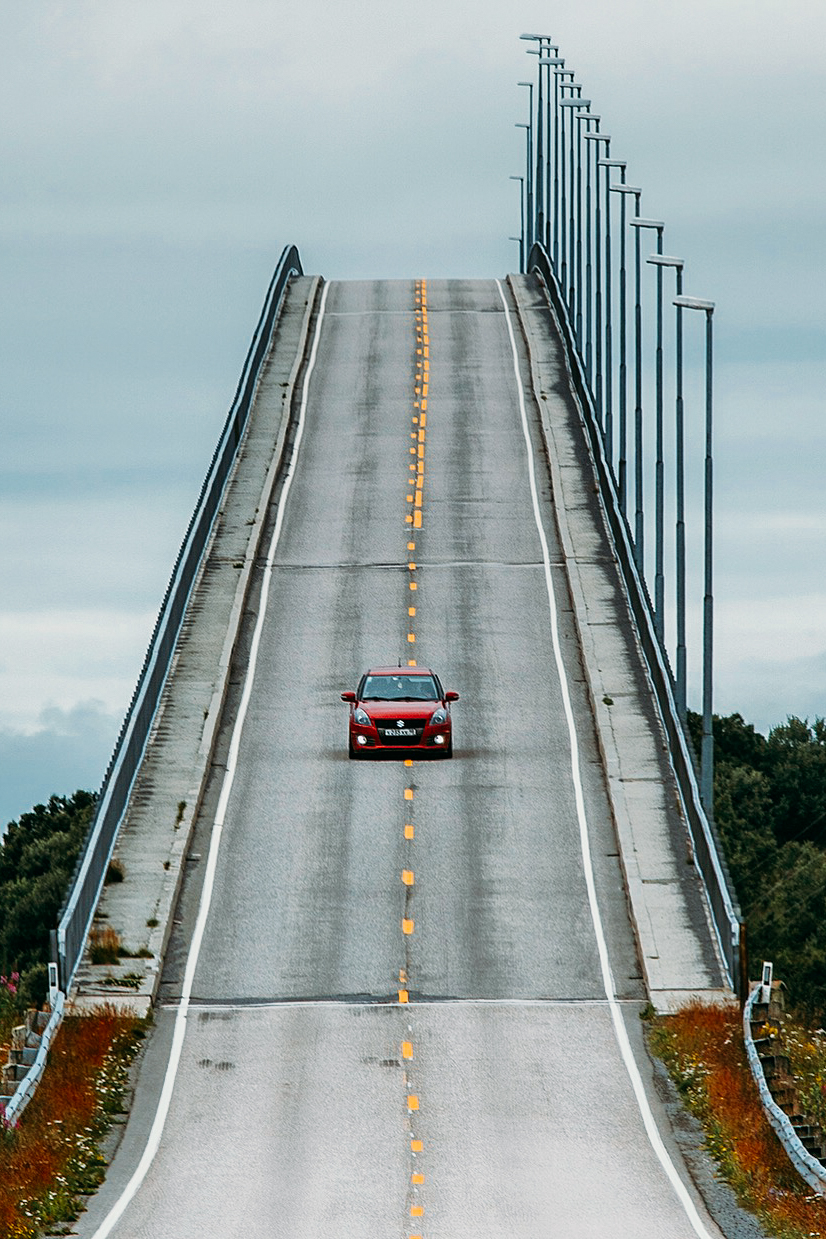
(104,945)
(703,1050)
(53,1158)
(807,1057)
(129,980)
(9,1007)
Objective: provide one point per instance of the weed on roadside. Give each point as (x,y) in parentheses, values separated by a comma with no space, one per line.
(703,1049)
(104,945)
(807,1058)
(53,1158)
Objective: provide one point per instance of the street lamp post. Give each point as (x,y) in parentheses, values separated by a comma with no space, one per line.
(562,214)
(678,264)
(623,357)
(521,238)
(529,168)
(659,467)
(608,164)
(529,161)
(583,291)
(540,179)
(552,185)
(575,101)
(598,393)
(707,753)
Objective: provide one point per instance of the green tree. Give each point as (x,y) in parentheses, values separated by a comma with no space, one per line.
(743,812)
(796,754)
(770,812)
(37,860)
(787,924)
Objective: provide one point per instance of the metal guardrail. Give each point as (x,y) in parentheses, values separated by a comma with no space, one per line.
(84,891)
(26,1088)
(707,850)
(813,1171)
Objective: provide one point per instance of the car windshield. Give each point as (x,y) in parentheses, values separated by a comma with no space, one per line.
(399,688)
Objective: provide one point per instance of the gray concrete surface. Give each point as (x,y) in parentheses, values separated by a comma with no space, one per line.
(309,1099)
(512,1100)
(678,948)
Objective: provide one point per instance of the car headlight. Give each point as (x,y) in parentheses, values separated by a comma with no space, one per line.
(438,716)
(361,717)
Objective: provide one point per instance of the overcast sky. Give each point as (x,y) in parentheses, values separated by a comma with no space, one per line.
(156,158)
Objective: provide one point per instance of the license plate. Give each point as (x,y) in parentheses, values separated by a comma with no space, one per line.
(399,731)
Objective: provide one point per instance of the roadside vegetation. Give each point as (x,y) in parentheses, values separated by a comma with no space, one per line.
(53,1157)
(806,1049)
(770,811)
(37,860)
(703,1050)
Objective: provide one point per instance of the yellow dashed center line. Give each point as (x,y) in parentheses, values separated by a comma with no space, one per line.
(414,491)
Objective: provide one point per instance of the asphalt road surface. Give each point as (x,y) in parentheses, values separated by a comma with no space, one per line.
(398,1023)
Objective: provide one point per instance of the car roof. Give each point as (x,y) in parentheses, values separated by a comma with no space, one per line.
(398,671)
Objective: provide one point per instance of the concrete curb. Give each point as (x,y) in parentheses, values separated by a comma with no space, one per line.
(626,745)
(96,984)
(216,705)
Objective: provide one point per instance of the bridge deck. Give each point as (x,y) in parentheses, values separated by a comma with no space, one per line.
(310,1099)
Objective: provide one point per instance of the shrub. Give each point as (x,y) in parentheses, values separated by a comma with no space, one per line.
(53,1156)
(770,810)
(104,945)
(37,859)
(114,872)
(704,1052)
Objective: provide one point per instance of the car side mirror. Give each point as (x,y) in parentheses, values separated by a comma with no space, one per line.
(451,696)
(348,696)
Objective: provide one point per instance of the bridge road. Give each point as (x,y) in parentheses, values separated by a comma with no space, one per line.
(398,1023)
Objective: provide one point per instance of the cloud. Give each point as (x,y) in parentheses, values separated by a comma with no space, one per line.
(157,158)
(51,659)
(766,691)
(68,750)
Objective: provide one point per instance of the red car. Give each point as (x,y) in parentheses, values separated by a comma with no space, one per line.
(400,708)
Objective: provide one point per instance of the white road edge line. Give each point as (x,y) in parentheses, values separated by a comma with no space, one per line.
(159,1122)
(620,1030)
